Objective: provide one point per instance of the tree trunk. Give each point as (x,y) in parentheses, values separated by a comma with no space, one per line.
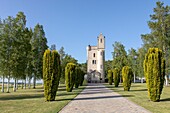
(166,81)
(8,85)
(25,83)
(134,77)
(120,79)
(14,86)
(29,83)
(22,85)
(2,90)
(34,82)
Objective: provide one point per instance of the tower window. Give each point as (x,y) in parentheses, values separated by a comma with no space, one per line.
(100,40)
(93,61)
(94,55)
(101,53)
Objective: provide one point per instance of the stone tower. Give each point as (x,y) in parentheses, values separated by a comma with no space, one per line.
(95,61)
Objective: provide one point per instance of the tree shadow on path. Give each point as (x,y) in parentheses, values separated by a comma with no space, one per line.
(93,98)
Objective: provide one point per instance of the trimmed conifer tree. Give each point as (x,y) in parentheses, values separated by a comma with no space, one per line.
(116,77)
(70,76)
(51,74)
(77,76)
(81,77)
(110,77)
(154,70)
(127,75)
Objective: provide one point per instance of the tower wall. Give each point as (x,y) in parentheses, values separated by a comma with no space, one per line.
(92,58)
(101,55)
(96,59)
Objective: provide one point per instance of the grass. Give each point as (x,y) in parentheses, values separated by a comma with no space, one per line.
(139,95)
(33,101)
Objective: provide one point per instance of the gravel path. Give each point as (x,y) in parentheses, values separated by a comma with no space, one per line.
(96,98)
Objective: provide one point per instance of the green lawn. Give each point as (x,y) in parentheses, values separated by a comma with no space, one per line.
(33,101)
(139,95)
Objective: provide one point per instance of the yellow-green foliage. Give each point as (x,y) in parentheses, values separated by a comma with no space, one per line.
(110,77)
(116,77)
(51,73)
(70,76)
(154,70)
(127,77)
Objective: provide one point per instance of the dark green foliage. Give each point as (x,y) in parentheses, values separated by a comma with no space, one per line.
(116,77)
(119,56)
(127,77)
(65,58)
(70,76)
(39,45)
(81,77)
(83,67)
(154,70)
(110,77)
(51,74)
(107,66)
(77,77)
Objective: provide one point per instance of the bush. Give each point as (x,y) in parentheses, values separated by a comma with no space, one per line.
(70,76)
(127,75)
(110,77)
(51,74)
(154,70)
(81,77)
(116,77)
(77,76)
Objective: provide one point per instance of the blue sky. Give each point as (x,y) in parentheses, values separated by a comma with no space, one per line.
(74,24)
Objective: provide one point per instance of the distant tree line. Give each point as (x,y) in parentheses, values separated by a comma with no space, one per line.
(21,52)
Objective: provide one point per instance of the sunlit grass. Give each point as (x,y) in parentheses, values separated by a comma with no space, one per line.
(33,101)
(139,95)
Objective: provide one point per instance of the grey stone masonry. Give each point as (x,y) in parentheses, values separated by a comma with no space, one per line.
(96,98)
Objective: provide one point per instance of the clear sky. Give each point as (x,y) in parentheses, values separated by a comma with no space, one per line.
(74,24)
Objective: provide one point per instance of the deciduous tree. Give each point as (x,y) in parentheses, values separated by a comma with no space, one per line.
(39,45)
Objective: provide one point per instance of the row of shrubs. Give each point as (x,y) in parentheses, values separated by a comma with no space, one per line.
(127,75)
(52,72)
(154,71)
(74,76)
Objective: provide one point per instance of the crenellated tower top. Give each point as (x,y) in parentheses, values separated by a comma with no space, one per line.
(101,41)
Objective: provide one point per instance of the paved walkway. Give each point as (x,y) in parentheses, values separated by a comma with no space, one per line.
(96,98)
